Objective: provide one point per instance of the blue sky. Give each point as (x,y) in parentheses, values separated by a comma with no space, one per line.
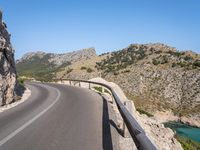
(66,25)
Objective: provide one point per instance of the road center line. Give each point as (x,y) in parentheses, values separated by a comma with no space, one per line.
(11,135)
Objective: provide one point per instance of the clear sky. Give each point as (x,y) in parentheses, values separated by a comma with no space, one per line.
(66,25)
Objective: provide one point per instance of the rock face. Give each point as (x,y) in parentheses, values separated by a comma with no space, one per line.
(7,66)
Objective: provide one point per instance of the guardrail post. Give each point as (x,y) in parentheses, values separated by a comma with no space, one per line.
(112,98)
(126,133)
(79,83)
(70,82)
(89,86)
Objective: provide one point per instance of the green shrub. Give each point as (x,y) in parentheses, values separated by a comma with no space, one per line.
(188,144)
(69,70)
(144,112)
(155,61)
(158,52)
(196,63)
(20,81)
(89,70)
(188,58)
(177,54)
(174,65)
(98,88)
(116,73)
(182,64)
(164,60)
(126,71)
(83,68)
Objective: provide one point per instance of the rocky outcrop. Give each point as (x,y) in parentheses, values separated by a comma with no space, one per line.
(160,89)
(7,66)
(83,54)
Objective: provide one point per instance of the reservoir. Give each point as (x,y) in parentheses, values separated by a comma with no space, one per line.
(185,130)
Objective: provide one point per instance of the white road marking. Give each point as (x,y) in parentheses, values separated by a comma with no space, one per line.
(11,135)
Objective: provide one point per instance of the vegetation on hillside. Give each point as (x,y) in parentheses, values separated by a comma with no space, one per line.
(39,68)
(178,59)
(187,143)
(120,60)
(89,70)
(141,111)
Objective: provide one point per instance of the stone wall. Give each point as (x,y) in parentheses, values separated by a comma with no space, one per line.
(7,66)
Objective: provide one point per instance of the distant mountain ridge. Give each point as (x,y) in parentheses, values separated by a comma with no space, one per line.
(59,59)
(42,66)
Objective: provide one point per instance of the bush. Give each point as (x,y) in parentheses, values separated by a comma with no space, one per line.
(188,144)
(173,65)
(21,81)
(83,68)
(196,63)
(98,89)
(182,64)
(126,71)
(89,70)
(69,70)
(116,73)
(144,112)
(155,62)
(177,54)
(188,58)
(164,60)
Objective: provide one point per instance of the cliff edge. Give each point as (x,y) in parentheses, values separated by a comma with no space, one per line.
(7,66)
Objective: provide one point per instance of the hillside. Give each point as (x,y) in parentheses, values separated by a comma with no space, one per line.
(42,66)
(155,76)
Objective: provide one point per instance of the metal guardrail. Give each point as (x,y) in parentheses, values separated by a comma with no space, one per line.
(136,131)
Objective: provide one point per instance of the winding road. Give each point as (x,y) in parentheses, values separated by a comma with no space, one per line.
(57,117)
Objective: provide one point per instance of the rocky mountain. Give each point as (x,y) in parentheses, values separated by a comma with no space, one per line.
(42,66)
(155,76)
(7,66)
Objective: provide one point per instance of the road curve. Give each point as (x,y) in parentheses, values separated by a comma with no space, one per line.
(56,117)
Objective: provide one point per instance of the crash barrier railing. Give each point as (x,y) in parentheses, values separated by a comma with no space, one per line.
(136,131)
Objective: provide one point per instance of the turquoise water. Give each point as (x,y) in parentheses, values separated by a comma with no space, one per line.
(192,133)
(185,130)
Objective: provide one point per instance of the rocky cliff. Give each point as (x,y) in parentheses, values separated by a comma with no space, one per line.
(7,66)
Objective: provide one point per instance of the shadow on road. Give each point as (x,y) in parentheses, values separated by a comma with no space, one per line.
(120,131)
(107,138)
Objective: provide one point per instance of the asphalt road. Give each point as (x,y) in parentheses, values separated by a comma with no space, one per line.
(57,117)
